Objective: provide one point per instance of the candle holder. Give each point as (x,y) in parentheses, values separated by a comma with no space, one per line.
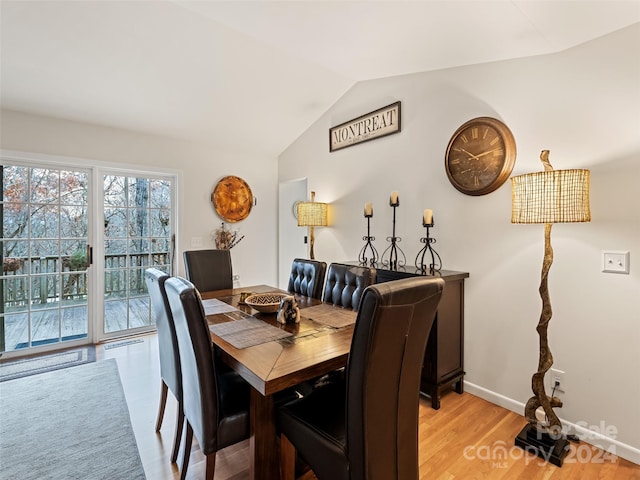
(393,261)
(368,246)
(433,266)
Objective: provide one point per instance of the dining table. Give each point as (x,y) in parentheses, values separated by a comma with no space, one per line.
(274,357)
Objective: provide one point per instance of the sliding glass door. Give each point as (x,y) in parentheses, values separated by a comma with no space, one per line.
(58,290)
(137,235)
(45,253)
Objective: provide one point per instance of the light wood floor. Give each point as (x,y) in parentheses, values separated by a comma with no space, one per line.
(468,438)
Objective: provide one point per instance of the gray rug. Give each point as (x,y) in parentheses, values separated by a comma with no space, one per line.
(11,369)
(68,424)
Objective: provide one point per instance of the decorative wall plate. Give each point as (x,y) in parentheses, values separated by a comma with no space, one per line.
(232,198)
(294,209)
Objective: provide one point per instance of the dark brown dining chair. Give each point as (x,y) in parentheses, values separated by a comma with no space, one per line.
(307,277)
(215,404)
(209,269)
(343,287)
(345,283)
(366,427)
(170,373)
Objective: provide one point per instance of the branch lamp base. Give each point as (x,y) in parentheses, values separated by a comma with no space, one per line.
(551,448)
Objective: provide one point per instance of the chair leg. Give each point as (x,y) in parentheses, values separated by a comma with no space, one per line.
(178,437)
(187,451)
(211,466)
(287,459)
(163,402)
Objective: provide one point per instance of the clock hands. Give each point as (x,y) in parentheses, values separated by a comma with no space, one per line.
(487,152)
(471,155)
(475,157)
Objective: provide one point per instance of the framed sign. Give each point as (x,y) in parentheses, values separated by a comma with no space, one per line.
(379,123)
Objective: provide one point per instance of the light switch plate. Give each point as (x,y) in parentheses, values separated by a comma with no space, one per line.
(615,262)
(196,242)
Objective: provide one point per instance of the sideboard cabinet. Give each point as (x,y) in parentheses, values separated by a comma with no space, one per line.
(444,357)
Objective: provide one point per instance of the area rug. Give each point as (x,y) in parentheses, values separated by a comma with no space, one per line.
(109,346)
(12,369)
(68,424)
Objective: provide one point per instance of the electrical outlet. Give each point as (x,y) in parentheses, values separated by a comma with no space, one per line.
(556,376)
(196,242)
(615,262)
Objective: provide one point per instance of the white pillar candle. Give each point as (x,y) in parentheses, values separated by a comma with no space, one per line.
(394,201)
(368,209)
(427,218)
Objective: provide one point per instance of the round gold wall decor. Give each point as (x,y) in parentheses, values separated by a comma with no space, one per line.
(232,198)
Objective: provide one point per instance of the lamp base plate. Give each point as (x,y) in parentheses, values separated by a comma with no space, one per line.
(545,446)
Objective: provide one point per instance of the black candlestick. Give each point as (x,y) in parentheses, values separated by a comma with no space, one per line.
(433,266)
(393,262)
(368,246)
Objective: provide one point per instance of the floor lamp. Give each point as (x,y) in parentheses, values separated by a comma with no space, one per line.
(312,214)
(548,197)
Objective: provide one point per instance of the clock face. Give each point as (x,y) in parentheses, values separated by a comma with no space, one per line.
(480,156)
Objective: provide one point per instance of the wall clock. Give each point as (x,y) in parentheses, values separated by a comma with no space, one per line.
(232,198)
(480,156)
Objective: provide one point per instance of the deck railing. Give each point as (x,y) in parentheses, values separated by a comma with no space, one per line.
(56,278)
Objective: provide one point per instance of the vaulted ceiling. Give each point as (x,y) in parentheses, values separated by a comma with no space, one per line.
(255,74)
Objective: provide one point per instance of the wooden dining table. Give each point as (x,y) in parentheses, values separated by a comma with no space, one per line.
(311,349)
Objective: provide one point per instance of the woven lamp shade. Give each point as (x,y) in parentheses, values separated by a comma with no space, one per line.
(552,196)
(312,214)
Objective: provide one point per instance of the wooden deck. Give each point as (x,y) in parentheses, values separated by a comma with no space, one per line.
(47,329)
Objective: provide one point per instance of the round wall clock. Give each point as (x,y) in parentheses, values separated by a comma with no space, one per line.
(480,156)
(232,198)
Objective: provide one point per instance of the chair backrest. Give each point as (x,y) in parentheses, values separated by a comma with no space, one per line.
(383,377)
(167,341)
(209,269)
(346,283)
(307,277)
(199,380)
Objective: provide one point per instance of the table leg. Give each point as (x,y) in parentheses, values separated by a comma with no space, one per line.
(264,459)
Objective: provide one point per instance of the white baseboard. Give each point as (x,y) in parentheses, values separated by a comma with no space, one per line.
(589,436)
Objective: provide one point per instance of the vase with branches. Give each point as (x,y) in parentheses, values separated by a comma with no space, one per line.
(225,238)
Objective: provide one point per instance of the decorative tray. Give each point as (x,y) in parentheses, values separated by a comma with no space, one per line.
(265,302)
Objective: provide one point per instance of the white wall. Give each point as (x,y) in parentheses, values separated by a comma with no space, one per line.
(584,106)
(254,258)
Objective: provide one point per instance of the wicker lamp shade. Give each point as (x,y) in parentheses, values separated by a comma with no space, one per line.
(312,214)
(552,196)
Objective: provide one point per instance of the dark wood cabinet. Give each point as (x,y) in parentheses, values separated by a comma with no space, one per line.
(444,357)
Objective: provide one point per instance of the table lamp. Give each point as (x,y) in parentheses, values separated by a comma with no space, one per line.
(312,214)
(548,197)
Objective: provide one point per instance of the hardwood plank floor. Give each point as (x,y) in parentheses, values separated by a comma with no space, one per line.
(468,438)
